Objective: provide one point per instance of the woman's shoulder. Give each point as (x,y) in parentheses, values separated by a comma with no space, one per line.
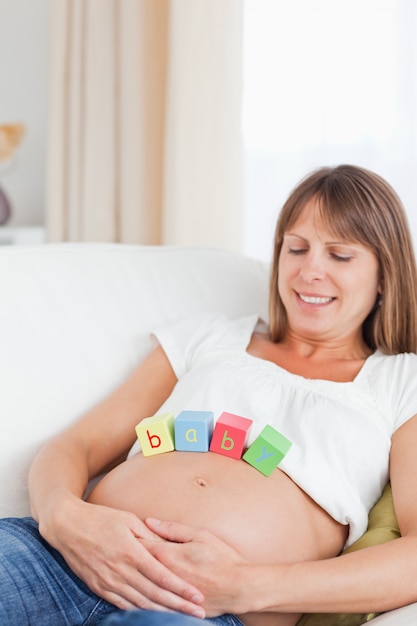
(394,378)
(228,331)
(390,370)
(390,362)
(196,338)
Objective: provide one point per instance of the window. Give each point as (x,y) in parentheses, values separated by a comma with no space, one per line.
(326,82)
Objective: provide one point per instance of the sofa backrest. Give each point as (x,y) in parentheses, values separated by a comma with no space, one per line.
(75,320)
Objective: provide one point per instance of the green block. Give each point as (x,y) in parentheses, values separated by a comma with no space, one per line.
(268,449)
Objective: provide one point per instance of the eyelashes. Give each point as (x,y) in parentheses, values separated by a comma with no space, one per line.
(340,258)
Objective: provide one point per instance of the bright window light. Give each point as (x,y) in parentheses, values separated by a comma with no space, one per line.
(326,82)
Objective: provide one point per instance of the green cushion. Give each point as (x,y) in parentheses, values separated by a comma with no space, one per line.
(382,527)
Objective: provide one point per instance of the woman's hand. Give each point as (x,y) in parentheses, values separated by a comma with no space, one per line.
(218,571)
(102,546)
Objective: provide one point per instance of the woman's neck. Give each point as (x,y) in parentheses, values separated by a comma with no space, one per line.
(329,361)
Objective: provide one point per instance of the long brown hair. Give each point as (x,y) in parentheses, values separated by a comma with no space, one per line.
(360,206)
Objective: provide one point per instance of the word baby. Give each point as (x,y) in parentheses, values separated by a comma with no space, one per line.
(193,431)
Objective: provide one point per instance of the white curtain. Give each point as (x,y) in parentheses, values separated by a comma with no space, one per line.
(326,82)
(145,122)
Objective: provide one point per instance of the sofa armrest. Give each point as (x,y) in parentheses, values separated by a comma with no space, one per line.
(75,320)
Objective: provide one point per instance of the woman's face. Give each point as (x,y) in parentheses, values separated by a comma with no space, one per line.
(328,286)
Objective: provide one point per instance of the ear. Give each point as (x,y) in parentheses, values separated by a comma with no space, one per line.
(380,289)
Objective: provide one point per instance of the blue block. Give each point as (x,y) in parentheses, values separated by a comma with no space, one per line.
(193,430)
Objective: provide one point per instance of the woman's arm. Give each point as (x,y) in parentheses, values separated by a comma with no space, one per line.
(379,578)
(101,544)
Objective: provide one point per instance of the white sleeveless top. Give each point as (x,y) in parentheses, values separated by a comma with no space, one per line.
(341,432)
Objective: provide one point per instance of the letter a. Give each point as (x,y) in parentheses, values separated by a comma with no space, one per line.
(151,438)
(191,435)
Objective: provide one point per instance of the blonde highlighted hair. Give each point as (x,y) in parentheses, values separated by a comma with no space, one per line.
(361,207)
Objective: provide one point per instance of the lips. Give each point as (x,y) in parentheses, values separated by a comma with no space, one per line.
(315,299)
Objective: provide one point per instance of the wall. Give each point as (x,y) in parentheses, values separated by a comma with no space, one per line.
(23,98)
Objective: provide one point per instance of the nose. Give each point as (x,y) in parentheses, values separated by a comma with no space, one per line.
(312,268)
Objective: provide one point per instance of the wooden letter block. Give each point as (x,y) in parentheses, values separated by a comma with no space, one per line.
(156,434)
(193,430)
(230,434)
(268,449)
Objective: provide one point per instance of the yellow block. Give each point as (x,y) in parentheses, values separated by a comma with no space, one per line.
(156,434)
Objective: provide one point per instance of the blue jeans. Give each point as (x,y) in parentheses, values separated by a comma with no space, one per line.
(155,618)
(37,588)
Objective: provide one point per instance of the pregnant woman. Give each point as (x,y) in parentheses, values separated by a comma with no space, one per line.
(335,371)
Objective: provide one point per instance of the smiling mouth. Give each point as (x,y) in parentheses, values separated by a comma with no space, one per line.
(315,299)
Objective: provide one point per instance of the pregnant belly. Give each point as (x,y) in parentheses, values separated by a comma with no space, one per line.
(265,518)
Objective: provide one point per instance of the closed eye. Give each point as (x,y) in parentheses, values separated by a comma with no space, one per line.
(341,258)
(297,250)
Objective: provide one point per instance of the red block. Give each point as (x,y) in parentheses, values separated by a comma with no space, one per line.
(230,434)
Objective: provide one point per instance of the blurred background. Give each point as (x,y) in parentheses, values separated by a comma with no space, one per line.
(24,65)
(188,122)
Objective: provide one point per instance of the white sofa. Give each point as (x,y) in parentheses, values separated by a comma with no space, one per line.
(74,321)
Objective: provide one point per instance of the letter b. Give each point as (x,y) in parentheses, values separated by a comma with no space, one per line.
(227,442)
(230,435)
(153,439)
(156,434)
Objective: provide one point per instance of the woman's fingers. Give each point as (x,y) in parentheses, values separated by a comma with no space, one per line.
(214,566)
(172,531)
(106,549)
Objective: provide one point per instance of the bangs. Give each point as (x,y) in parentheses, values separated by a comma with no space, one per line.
(345,214)
(342,221)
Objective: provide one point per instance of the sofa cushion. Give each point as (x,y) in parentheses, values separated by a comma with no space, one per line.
(382,527)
